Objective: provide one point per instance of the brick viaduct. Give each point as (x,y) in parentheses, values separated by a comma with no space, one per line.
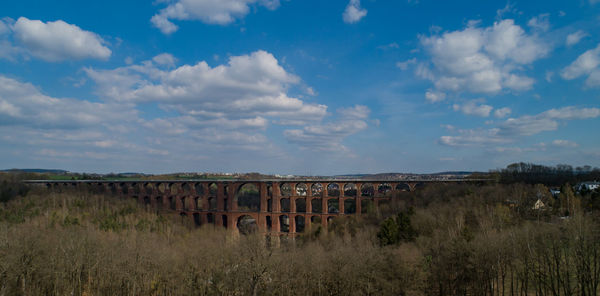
(281,207)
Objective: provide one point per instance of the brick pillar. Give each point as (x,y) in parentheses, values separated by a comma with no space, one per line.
(324,190)
(308,204)
(292,204)
(325,208)
(275,223)
(262,189)
(292,224)
(179,200)
(220,198)
(231,198)
(341,186)
(341,205)
(276,203)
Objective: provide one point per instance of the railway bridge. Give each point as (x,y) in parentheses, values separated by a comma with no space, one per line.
(276,206)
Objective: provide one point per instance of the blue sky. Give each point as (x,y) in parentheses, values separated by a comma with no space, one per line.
(298,86)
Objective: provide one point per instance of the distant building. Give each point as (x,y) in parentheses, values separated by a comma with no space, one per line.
(588,186)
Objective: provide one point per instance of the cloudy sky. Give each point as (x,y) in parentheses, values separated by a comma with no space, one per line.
(298,86)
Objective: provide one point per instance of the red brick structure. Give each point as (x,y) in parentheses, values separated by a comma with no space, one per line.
(284,206)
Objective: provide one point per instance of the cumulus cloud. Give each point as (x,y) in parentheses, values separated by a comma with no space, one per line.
(540,22)
(404,65)
(58,41)
(329,136)
(575,37)
(22,104)
(353,12)
(473,108)
(512,128)
(564,144)
(502,112)
(220,12)
(434,96)
(246,87)
(481,60)
(587,64)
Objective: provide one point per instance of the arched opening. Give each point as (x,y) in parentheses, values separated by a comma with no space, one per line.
(284,223)
(315,219)
(246,224)
(367,190)
(300,225)
(384,188)
(333,206)
(402,187)
(224,220)
(112,186)
(148,188)
(184,203)
(212,189)
(286,189)
(172,203)
(161,188)
(269,223)
(333,190)
(124,188)
(350,206)
(316,205)
(316,189)
(212,203)
(301,189)
(366,206)
(285,204)
(419,185)
(197,220)
(199,202)
(226,190)
(210,218)
(158,202)
(146,200)
(269,205)
(300,205)
(350,190)
(199,188)
(135,188)
(248,198)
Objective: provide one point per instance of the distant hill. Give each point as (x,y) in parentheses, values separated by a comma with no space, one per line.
(41,171)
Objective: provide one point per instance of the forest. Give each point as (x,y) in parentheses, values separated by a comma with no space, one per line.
(504,237)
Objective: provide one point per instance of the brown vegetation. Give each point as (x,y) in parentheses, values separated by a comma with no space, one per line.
(463,240)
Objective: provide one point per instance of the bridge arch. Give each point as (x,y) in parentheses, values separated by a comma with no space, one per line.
(384,188)
(299,223)
(350,189)
(284,223)
(247,197)
(316,189)
(402,187)
(301,189)
(246,224)
(285,189)
(316,205)
(333,190)
(367,190)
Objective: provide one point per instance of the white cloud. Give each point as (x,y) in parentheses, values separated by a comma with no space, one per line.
(404,65)
(434,96)
(353,12)
(564,143)
(587,63)
(165,59)
(22,104)
(220,12)
(502,112)
(58,41)
(482,60)
(575,37)
(540,22)
(472,108)
(512,128)
(329,136)
(246,87)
